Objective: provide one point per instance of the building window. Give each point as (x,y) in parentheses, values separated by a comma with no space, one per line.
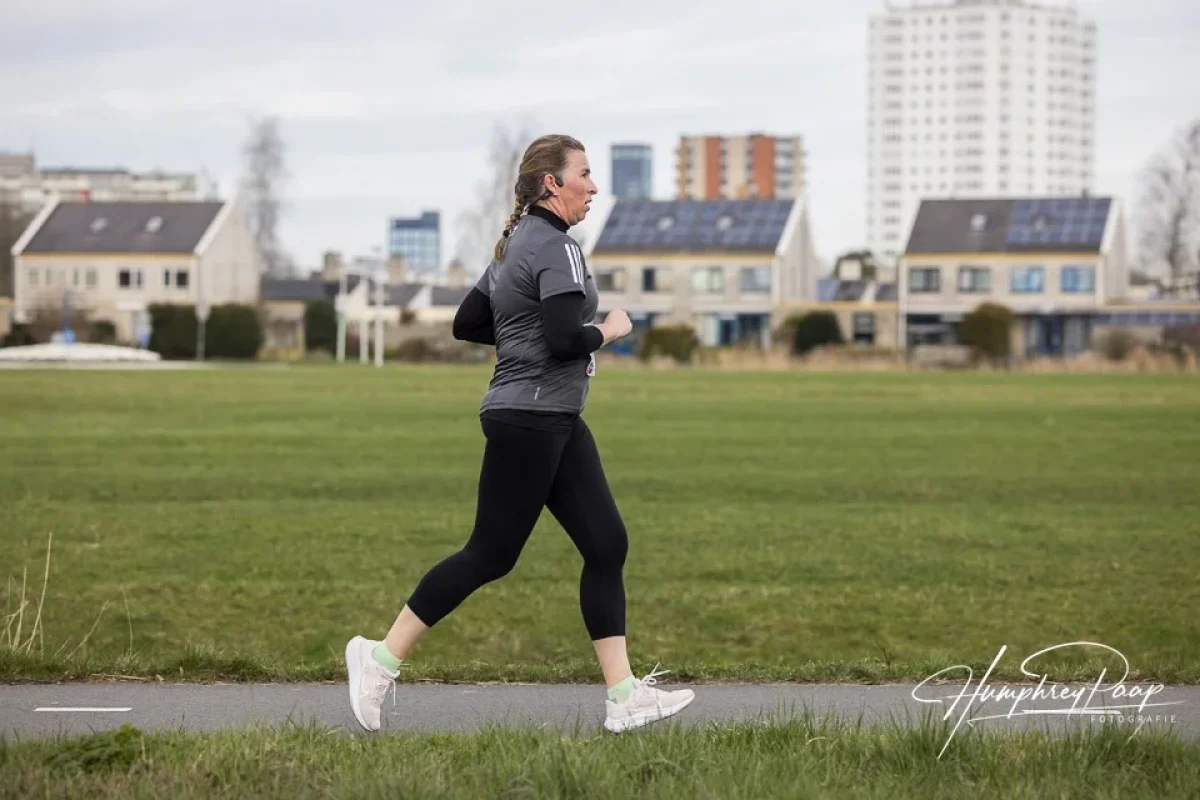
(925,280)
(974,280)
(1028,280)
(90,279)
(181,279)
(33,278)
(864,328)
(708,280)
(755,279)
(166,277)
(124,279)
(1078,279)
(649,279)
(611,280)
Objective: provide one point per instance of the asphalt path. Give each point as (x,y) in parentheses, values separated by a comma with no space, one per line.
(39,710)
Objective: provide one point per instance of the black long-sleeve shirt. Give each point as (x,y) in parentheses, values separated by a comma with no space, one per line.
(566,335)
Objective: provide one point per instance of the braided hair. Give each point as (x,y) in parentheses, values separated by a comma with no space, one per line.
(547,155)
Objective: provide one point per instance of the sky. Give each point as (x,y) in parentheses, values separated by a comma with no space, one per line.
(387,107)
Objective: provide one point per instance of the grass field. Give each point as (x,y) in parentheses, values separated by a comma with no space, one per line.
(804,757)
(244,523)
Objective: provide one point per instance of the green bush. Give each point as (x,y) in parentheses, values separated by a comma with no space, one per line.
(987,331)
(320,326)
(677,341)
(233,331)
(102,332)
(173,331)
(19,336)
(814,329)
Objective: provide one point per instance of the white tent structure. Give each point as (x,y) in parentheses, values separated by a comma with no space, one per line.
(76,353)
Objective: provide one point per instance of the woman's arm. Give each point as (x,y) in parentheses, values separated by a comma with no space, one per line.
(473,320)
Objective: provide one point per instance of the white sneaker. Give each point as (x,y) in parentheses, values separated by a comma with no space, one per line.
(369,682)
(646,704)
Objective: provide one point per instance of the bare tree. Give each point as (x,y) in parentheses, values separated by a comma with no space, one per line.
(266,172)
(481,225)
(1169,217)
(13,222)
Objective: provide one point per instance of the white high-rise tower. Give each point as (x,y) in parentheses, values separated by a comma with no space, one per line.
(975,98)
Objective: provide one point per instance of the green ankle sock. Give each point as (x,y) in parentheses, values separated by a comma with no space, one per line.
(385,658)
(620,693)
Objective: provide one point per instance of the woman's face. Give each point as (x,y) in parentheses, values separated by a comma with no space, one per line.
(572,200)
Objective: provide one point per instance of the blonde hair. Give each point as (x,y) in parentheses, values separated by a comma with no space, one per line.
(547,155)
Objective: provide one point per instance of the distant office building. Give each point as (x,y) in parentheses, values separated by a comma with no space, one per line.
(756,166)
(632,171)
(973,99)
(419,241)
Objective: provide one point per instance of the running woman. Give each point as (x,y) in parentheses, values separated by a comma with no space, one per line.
(534,303)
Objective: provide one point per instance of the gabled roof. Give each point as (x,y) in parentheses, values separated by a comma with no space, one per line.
(302,290)
(694,226)
(447,296)
(124,227)
(1004,225)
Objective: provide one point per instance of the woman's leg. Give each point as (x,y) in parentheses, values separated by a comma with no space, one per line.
(582,503)
(519,465)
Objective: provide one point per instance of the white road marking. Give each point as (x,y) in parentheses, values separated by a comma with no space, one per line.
(82,709)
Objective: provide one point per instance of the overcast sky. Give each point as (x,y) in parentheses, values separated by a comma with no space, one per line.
(388,105)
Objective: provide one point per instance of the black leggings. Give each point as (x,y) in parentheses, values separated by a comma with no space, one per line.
(524,470)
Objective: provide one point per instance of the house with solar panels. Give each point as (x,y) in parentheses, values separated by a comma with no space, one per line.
(1058,264)
(720,266)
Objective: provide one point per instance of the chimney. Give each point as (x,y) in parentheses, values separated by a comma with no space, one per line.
(456,275)
(331,266)
(397,269)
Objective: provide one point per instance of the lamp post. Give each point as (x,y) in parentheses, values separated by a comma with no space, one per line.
(339,304)
(380,290)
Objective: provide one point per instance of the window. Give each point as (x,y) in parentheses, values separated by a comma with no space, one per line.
(181,279)
(755,279)
(33,278)
(925,280)
(1078,279)
(124,279)
(1028,280)
(708,280)
(166,277)
(974,280)
(864,327)
(649,279)
(90,279)
(611,280)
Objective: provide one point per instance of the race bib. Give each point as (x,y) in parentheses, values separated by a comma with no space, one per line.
(591,367)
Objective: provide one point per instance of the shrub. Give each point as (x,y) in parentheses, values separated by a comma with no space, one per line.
(233,331)
(1118,343)
(987,331)
(676,341)
(320,326)
(173,331)
(18,336)
(814,329)
(1178,336)
(103,332)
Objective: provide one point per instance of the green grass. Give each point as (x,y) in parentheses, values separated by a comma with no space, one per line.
(804,757)
(243,524)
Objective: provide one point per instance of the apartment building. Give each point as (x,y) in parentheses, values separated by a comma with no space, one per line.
(114,260)
(740,167)
(975,98)
(25,186)
(718,266)
(1056,263)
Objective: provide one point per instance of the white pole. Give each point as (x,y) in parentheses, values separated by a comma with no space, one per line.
(340,304)
(379,319)
(364,333)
